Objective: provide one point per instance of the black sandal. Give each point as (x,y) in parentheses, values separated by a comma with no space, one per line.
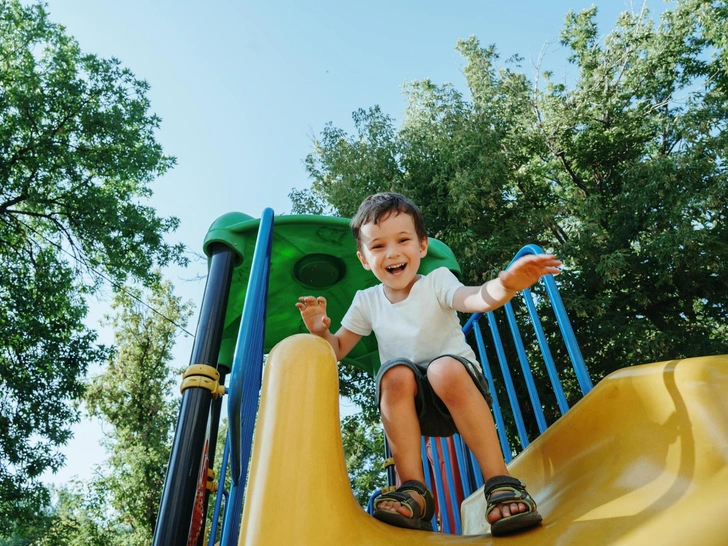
(417,519)
(501,490)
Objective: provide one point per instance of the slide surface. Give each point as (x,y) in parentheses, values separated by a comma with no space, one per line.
(643,459)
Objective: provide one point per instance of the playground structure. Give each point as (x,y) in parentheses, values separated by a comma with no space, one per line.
(642,458)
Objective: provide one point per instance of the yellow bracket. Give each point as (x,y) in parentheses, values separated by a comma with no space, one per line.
(388,489)
(388,462)
(211,483)
(203,376)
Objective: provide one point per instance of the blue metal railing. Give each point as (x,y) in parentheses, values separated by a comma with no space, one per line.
(246,376)
(499,423)
(572,347)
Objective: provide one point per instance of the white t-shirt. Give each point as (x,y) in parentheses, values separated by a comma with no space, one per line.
(419,328)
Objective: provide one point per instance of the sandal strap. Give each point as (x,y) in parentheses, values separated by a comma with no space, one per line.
(506,490)
(403,496)
(404,499)
(424,492)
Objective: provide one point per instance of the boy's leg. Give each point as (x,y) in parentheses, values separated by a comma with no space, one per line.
(398,389)
(454,386)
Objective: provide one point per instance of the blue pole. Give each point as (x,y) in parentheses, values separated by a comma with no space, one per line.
(502,436)
(577,360)
(246,376)
(464,464)
(525,368)
(510,389)
(546,352)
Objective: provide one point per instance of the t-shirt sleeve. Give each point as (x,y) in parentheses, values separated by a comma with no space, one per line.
(357,318)
(445,284)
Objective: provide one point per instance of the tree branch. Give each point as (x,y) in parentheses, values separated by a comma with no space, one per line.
(574,177)
(7,204)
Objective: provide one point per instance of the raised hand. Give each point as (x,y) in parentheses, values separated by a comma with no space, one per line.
(313,313)
(528,269)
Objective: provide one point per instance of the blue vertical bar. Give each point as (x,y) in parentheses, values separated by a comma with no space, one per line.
(464,464)
(512,398)
(502,436)
(546,352)
(525,367)
(246,376)
(577,360)
(572,346)
(476,470)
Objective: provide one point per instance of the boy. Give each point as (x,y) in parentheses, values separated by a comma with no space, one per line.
(429,383)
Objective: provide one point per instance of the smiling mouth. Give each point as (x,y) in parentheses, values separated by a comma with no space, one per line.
(398,268)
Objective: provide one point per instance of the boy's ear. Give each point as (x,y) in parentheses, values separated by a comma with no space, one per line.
(424,242)
(363,261)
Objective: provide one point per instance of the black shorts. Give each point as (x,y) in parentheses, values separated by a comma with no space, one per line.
(434,417)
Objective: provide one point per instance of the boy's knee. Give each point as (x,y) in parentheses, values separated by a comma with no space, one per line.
(399,379)
(446,375)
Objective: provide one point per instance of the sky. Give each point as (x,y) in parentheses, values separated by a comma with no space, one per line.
(243,87)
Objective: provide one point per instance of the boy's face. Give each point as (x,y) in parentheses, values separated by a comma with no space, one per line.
(392,251)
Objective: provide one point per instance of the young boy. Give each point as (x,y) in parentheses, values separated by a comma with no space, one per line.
(430,382)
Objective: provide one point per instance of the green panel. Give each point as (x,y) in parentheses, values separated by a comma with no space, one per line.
(311,255)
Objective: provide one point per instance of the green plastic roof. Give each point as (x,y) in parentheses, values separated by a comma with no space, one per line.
(311,255)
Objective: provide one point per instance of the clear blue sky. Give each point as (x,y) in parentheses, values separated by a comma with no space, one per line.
(242,87)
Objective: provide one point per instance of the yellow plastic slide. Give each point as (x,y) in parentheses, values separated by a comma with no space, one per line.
(643,459)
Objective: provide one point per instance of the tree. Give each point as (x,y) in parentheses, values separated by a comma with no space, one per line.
(621,171)
(77,157)
(78,516)
(134,396)
(364,453)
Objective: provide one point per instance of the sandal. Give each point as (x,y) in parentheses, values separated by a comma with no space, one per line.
(501,490)
(417,519)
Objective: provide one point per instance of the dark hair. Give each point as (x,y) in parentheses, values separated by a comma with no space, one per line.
(379,206)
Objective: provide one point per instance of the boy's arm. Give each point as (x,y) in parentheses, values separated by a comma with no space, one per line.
(522,273)
(313,313)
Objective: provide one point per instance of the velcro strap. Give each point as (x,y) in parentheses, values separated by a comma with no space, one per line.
(501,490)
(497,482)
(403,498)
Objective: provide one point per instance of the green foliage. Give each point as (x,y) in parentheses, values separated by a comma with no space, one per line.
(364,453)
(45,348)
(134,396)
(621,171)
(78,517)
(75,518)
(77,157)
